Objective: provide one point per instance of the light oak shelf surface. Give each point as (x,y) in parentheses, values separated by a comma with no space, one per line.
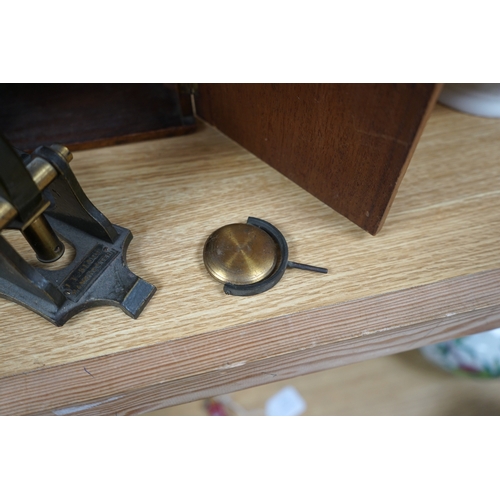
(432,273)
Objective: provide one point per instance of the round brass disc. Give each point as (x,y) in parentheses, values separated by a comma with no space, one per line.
(240,254)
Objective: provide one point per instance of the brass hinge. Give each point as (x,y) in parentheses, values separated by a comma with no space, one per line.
(188,88)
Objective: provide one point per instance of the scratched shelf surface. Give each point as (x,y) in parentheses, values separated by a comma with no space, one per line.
(173,193)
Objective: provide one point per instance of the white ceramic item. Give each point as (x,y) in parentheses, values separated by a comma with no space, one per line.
(481,99)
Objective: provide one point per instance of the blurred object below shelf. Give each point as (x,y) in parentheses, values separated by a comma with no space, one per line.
(475,355)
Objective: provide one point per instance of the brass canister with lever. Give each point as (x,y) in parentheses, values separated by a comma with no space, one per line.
(40,196)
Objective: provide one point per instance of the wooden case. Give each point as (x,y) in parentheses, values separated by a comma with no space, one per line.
(347,144)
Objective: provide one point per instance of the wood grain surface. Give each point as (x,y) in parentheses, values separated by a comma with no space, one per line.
(347,144)
(433,273)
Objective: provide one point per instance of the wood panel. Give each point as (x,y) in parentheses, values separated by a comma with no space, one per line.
(84,116)
(347,144)
(193,340)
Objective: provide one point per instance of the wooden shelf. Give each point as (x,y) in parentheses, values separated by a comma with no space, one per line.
(431,274)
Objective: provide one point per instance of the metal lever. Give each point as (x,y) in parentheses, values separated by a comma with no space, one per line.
(306,267)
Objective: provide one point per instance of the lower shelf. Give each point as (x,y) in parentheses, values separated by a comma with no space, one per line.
(402,384)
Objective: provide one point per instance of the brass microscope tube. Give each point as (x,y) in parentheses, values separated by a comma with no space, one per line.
(43,240)
(41,237)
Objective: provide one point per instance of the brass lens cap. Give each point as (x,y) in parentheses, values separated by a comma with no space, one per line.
(240,254)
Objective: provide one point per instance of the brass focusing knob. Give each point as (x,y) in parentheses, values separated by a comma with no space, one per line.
(240,254)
